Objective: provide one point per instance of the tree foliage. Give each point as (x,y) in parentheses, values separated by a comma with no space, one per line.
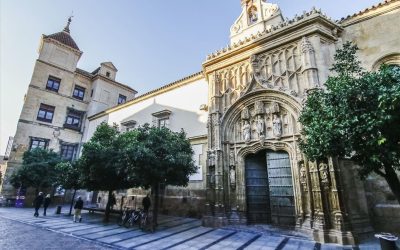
(357,116)
(103,165)
(38,169)
(68,175)
(160,156)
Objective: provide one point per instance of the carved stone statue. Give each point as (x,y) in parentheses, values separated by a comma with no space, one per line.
(277,126)
(211,158)
(245,114)
(253,17)
(303,176)
(260,126)
(274,108)
(232,176)
(232,158)
(259,108)
(246,131)
(323,171)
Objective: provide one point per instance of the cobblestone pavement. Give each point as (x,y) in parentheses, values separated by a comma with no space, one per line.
(172,233)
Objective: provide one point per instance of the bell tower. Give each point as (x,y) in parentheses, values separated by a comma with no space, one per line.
(257,16)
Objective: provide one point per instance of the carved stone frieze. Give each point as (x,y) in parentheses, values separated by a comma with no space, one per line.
(303,176)
(324,174)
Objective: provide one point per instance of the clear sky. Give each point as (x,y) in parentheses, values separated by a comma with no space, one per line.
(151,42)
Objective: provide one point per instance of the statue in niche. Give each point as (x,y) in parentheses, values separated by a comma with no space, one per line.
(253,17)
(259,108)
(274,108)
(260,126)
(232,176)
(277,126)
(303,176)
(245,114)
(246,131)
(232,158)
(211,158)
(211,176)
(323,170)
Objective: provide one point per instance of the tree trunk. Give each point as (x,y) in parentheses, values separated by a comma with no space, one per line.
(393,180)
(108,207)
(155,210)
(72,203)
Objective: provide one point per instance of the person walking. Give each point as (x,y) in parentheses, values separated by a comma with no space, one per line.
(78,208)
(46,203)
(146,202)
(37,203)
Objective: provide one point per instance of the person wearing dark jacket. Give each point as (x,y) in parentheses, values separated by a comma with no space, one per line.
(37,203)
(146,203)
(78,208)
(46,203)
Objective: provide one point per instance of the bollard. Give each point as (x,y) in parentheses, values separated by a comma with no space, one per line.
(387,240)
(58,211)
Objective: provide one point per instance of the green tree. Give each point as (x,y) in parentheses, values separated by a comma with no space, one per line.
(103,164)
(38,170)
(357,117)
(160,156)
(69,178)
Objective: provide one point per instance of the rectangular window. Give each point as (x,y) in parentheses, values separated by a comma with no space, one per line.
(74,119)
(38,143)
(163,122)
(68,151)
(46,113)
(53,83)
(79,92)
(121,99)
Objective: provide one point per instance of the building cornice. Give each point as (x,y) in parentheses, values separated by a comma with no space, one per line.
(313,24)
(273,32)
(163,89)
(371,12)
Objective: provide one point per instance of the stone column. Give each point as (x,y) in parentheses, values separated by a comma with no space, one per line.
(310,70)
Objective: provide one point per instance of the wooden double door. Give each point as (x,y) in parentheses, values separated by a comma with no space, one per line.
(269,189)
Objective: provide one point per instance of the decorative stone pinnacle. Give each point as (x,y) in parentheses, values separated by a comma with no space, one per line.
(66,29)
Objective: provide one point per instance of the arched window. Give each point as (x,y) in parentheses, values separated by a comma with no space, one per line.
(391,59)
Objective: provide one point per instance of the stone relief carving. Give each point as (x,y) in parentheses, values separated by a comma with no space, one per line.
(277,126)
(303,176)
(246,131)
(232,158)
(232,176)
(274,108)
(323,171)
(245,114)
(306,46)
(261,121)
(260,124)
(259,108)
(280,69)
(211,158)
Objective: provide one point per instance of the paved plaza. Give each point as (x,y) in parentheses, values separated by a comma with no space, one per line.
(59,232)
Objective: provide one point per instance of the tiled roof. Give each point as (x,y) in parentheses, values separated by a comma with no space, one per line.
(84,72)
(65,38)
(373,7)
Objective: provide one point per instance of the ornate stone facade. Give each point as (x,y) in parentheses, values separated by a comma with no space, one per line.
(257,87)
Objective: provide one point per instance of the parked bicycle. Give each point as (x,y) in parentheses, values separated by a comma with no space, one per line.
(129,217)
(146,221)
